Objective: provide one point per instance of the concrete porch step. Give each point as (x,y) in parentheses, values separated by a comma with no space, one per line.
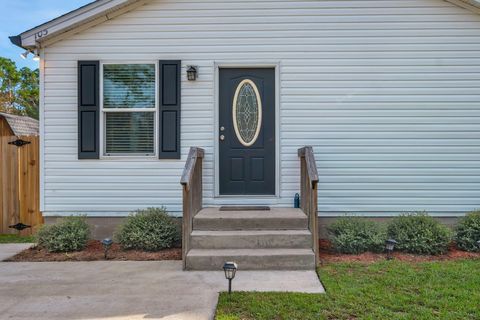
(251,239)
(251,259)
(274,219)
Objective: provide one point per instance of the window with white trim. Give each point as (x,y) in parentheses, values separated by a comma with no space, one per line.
(129,109)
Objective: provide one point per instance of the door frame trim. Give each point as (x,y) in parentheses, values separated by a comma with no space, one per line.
(216,91)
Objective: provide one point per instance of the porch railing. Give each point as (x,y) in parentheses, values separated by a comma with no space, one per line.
(308,193)
(192,195)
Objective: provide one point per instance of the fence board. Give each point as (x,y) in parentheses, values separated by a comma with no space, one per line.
(20,185)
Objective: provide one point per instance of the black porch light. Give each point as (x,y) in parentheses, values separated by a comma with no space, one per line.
(192,73)
(230,268)
(107,243)
(389,246)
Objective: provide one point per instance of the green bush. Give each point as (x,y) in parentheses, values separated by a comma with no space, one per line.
(68,234)
(357,235)
(151,229)
(468,232)
(419,233)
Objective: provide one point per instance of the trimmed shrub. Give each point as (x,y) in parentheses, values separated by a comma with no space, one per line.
(419,233)
(151,229)
(68,234)
(357,235)
(468,232)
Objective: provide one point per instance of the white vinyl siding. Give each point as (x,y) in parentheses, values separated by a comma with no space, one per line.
(386,92)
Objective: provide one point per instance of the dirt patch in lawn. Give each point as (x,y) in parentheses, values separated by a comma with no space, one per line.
(328,255)
(94,252)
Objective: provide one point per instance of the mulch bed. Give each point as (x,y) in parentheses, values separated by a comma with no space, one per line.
(328,255)
(94,252)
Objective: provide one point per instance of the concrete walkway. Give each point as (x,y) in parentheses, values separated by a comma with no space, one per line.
(8,250)
(128,290)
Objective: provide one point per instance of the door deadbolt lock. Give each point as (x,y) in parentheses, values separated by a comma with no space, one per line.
(222,137)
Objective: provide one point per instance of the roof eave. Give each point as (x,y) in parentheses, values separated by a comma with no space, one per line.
(16,40)
(103,10)
(88,15)
(471,5)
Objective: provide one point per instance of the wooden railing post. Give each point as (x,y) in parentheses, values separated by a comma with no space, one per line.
(192,195)
(309,193)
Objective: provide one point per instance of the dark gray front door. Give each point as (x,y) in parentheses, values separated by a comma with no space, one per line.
(247,131)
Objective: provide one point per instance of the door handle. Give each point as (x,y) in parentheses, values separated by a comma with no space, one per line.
(222,137)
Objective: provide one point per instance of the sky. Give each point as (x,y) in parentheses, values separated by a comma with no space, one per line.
(20,15)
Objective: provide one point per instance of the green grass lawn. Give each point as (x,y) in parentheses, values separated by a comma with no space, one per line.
(13,238)
(383,290)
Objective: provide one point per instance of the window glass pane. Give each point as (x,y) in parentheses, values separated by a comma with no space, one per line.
(129,132)
(129,86)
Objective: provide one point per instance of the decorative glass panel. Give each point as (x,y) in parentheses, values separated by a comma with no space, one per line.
(129,133)
(129,86)
(247,112)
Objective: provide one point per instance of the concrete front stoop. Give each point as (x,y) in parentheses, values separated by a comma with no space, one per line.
(276,239)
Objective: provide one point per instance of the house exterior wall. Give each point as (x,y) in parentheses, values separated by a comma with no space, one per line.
(386,92)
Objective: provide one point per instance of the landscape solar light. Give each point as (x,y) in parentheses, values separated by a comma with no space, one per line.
(389,246)
(107,243)
(192,73)
(230,268)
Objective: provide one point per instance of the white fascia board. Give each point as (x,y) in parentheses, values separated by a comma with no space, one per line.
(94,11)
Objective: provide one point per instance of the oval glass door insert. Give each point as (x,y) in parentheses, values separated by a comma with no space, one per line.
(247,112)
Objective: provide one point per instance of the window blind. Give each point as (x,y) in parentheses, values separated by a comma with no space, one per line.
(129,133)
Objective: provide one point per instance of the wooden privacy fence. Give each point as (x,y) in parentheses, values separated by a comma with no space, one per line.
(19,184)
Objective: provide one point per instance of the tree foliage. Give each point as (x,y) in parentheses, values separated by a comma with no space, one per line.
(19,89)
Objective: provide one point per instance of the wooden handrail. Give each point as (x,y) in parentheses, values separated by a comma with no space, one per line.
(189,169)
(309,193)
(191,181)
(307,153)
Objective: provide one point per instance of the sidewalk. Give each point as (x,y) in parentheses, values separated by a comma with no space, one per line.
(128,290)
(8,250)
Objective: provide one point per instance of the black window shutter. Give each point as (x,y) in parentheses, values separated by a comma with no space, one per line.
(169,109)
(88,109)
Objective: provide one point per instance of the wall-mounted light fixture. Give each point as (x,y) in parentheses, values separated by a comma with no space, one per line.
(36,57)
(192,73)
(24,55)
